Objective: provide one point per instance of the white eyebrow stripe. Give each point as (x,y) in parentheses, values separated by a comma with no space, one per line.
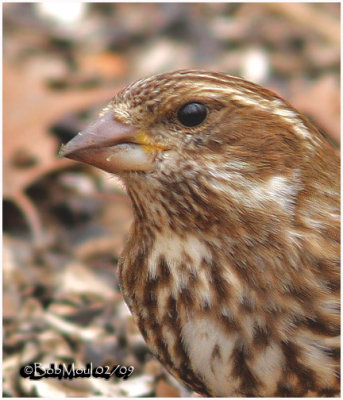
(239,90)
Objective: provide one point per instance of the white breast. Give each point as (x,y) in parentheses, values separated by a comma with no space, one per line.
(201,337)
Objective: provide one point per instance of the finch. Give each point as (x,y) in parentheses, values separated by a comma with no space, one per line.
(231,268)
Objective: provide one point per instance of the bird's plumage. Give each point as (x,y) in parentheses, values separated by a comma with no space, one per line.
(231,269)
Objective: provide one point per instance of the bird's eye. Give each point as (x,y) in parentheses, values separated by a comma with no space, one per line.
(192,114)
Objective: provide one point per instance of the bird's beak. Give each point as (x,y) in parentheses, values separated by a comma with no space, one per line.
(110,145)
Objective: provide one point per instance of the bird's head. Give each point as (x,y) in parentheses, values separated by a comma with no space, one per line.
(211,129)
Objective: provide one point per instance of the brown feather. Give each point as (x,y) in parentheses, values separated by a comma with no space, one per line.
(231,269)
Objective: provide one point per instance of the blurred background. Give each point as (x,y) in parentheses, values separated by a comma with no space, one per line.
(65,223)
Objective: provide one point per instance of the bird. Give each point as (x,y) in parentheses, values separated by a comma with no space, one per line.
(231,266)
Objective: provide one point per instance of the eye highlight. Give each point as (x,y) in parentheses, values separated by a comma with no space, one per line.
(192,114)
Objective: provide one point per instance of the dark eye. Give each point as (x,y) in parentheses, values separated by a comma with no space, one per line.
(192,114)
